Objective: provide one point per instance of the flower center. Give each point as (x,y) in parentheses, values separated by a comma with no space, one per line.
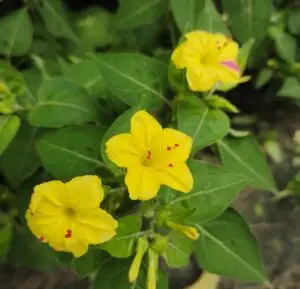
(147,159)
(70,212)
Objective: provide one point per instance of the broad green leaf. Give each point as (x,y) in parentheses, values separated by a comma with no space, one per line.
(122,245)
(9,126)
(20,160)
(95,28)
(227,247)
(219,102)
(88,75)
(263,77)
(62,102)
(135,13)
(71,151)
(56,20)
(285,44)
(16,33)
(248,19)
(135,78)
(290,88)
(213,191)
(210,20)
(243,156)
(120,125)
(28,251)
(33,80)
(113,274)
(12,78)
(87,264)
(179,250)
(293,21)
(186,13)
(244,53)
(6,229)
(197,14)
(206,126)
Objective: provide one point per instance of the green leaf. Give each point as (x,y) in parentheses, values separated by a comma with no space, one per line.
(248,19)
(20,160)
(197,14)
(88,263)
(12,78)
(16,33)
(28,251)
(210,20)
(179,250)
(6,231)
(71,151)
(135,13)
(244,53)
(293,21)
(290,88)
(120,125)
(135,78)
(213,191)
(121,246)
(62,102)
(95,28)
(217,101)
(243,156)
(227,247)
(113,274)
(88,75)
(206,126)
(9,126)
(263,77)
(56,20)
(285,44)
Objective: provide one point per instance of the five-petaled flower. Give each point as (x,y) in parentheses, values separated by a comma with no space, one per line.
(67,215)
(153,157)
(209,59)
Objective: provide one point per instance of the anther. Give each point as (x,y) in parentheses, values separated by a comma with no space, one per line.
(169,148)
(170,165)
(68,234)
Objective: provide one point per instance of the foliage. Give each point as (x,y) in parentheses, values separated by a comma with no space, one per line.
(69,81)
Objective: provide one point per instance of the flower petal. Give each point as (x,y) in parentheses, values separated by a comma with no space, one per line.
(176,145)
(76,247)
(145,130)
(95,226)
(53,191)
(85,192)
(229,52)
(98,219)
(177,176)
(143,183)
(121,149)
(201,78)
(179,55)
(227,75)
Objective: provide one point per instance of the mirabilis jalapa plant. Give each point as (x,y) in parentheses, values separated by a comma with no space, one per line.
(161,201)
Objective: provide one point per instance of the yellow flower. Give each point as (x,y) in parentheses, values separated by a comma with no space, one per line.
(153,157)
(209,59)
(67,215)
